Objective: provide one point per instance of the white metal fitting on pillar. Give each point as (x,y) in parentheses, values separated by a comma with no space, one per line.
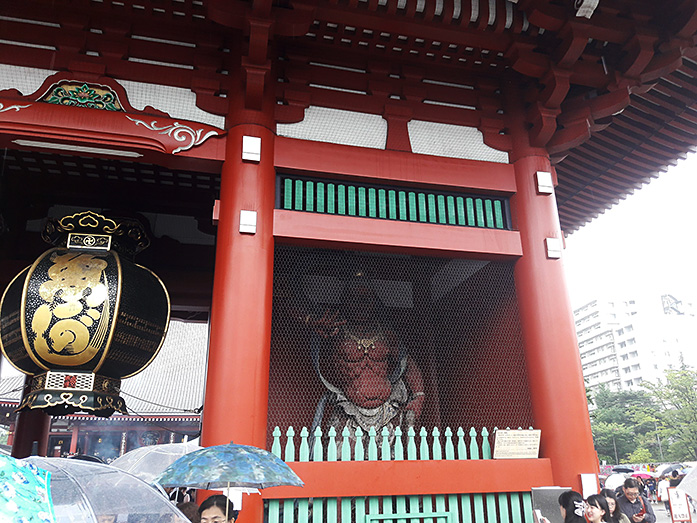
(554,247)
(545,184)
(251,149)
(248,222)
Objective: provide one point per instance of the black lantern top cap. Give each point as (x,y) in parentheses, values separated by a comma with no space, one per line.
(92,231)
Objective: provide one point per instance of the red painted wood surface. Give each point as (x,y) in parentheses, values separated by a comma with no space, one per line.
(392,166)
(343,232)
(382,478)
(557,389)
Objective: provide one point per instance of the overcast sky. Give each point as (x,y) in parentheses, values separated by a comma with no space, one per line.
(646,244)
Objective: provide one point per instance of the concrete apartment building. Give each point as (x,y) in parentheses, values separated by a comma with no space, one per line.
(624,342)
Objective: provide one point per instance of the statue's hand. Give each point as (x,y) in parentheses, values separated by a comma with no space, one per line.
(326,326)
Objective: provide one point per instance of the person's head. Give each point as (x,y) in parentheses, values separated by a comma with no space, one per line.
(597,508)
(611,499)
(190,510)
(572,507)
(631,489)
(214,509)
(674,474)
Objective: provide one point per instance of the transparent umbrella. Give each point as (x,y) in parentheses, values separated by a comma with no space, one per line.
(149,462)
(85,492)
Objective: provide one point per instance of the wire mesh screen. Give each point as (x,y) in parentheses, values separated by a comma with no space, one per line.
(381,340)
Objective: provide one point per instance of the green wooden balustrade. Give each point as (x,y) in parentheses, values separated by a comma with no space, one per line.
(503,507)
(400,204)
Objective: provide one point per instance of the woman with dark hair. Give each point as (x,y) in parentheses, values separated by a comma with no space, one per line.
(597,510)
(571,506)
(616,515)
(217,509)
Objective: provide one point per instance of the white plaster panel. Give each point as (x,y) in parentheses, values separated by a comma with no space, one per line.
(336,126)
(25,79)
(175,101)
(452,141)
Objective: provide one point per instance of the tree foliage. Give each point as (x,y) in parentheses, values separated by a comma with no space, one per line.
(622,423)
(655,425)
(677,398)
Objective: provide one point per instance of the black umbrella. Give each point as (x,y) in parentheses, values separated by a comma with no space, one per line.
(670,468)
(622,469)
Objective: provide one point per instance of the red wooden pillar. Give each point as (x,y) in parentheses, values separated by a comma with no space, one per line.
(236,401)
(30,426)
(75,434)
(557,388)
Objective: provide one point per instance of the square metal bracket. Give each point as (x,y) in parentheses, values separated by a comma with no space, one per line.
(251,149)
(554,248)
(248,222)
(545,184)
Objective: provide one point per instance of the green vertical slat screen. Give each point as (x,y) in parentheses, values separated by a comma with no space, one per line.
(309,197)
(489,211)
(422,211)
(341,199)
(351,200)
(392,204)
(432,210)
(320,197)
(451,211)
(362,202)
(413,212)
(479,205)
(470,213)
(299,195)
(287,193)
(498,214)
(403,206)
(331,198)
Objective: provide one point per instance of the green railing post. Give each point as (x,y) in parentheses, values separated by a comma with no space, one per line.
(400,501)
(274,504)
(373,501)
(331,456)
(303,503)
(411,455)
(346,456)
(477,500)
(288,505)
(359,455)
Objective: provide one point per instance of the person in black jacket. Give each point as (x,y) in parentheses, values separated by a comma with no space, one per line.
(635,506)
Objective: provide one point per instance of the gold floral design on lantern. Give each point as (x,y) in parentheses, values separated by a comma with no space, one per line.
(74,297)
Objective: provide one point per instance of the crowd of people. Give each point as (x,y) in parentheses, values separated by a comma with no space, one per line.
(630,505)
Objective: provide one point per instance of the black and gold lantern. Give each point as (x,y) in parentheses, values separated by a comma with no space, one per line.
(84,316)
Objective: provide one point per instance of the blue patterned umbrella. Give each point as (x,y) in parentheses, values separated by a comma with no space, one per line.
(231,465)
(24,493)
